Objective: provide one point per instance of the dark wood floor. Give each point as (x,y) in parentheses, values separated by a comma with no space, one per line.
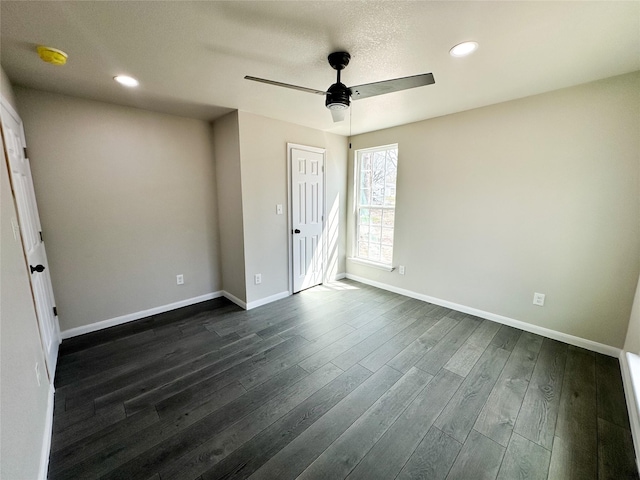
(337,381)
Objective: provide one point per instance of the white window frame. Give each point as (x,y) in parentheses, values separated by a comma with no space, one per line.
(356,208)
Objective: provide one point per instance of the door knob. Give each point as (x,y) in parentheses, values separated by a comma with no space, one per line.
(37,268)
(296,231)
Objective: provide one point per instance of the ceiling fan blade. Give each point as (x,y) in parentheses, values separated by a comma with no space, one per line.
(338,114)
(286,85)
(388,86)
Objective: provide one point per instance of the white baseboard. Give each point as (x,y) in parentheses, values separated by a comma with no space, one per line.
(264,301)
(93,327)
(631,392)
(527,327)
(340,276)
(46,439)
(234,299)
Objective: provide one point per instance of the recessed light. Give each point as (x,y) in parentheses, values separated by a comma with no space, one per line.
(463,49)
(126,80)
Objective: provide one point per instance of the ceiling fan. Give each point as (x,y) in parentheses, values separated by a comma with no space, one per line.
(338,95)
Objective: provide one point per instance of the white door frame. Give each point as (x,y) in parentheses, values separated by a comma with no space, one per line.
(323,151)
(56,326)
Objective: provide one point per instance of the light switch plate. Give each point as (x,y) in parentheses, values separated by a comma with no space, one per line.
(279,209)
(538,299)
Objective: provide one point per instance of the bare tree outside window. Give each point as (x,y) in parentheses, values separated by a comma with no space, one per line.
(377,170)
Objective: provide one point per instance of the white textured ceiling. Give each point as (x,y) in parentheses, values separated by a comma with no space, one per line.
(191,57)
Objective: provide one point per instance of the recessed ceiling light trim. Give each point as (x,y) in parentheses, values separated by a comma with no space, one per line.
(463,49)
(126,80)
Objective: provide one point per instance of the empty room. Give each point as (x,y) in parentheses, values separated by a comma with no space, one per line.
(320,240)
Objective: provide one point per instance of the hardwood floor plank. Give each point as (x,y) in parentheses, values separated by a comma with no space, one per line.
(468,354)
(439,355)
(129,374)
(336,349)
(576,457)
(461,413)
(525,460)
(359,319)
(506,338)
(479,459)
(101,419)
(433,458)
(408,357)
(251,456)
(204,457)
(289,462)
(260,375)
(343,455)
(215,391)
(391,452)
(369,344)
(63,461)
(610,392)
(381,355)
(615,452)
(149,450)
(538,414)
(499,414)
(169,398)
(196,397)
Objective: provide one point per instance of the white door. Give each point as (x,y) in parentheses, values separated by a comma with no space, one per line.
(307,211)
(31,233)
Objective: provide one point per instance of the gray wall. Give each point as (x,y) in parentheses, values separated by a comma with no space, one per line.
(23,403)
(127,201)
(539,194)
(227,153)
(263,151)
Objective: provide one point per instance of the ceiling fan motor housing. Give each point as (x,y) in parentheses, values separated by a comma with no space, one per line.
(338,96)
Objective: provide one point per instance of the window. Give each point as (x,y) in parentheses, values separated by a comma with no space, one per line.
(376,173)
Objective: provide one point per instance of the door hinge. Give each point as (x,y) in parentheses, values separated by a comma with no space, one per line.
(349,144)
(26,155)
(41,239)
(55,311)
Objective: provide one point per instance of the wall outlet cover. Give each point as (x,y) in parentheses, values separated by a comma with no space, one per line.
(180,279)
(538,299)
(401,269)
(258,278)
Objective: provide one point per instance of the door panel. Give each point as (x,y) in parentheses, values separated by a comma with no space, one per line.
(307,210)
(22,185)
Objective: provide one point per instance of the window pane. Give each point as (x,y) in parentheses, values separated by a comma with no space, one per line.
(374,252)
(366,161)
(387,236)
(363,250)
(365,179)
(386,254)
(388,218)
(364,233)
(375,216)
(375,234)
(364,216)
(376,187)
(365,196)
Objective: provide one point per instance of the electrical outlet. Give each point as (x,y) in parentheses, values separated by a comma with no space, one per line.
(257,278)
(38,373)
(279,209)
(538,299)
(401,269)
(180,279)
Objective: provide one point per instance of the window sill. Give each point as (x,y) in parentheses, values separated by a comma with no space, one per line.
(380,266)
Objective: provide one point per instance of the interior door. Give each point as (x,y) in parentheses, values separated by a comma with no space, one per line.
(307,217)
(31,233)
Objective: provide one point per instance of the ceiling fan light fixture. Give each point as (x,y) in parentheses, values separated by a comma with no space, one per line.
(126,80)
(463,49)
